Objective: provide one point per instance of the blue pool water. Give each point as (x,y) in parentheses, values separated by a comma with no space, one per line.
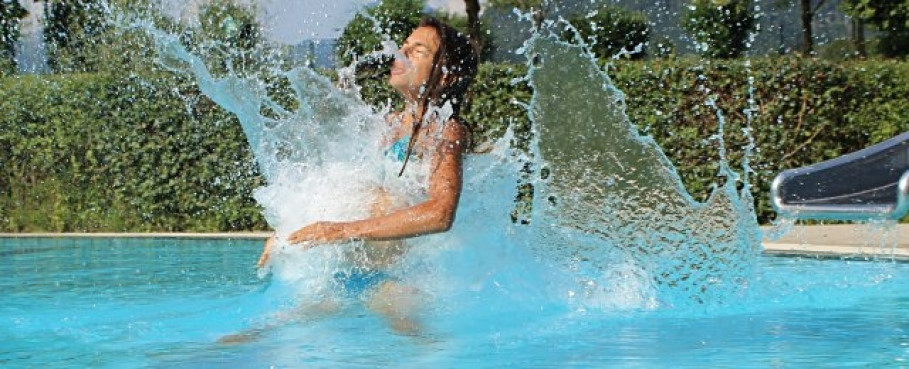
(165,303)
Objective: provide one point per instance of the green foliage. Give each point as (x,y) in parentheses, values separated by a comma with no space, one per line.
(81,35)
(807,111)
(233,24)
(230,35)
(101,152)
(7,67)
(495,103)
(720,28)
(10,14)
(610,30)
(71,31)
(523,5)
(538,8)
(461,24)
(391,19)
(891,17)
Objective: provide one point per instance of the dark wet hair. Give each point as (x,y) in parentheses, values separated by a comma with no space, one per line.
(455,57)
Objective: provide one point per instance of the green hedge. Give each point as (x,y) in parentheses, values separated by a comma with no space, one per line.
(108,153)
(7,67)
(807,111)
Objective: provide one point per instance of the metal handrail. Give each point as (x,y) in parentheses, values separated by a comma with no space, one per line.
(859,203)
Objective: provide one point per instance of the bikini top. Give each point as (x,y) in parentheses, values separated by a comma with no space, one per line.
(398,150)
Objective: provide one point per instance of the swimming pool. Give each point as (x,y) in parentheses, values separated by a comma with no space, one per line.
(620,266)
(150,302)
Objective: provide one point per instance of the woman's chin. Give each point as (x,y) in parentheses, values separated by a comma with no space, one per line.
(402,87)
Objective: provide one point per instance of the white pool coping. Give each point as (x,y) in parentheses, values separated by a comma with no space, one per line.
(845,240)
(194,235)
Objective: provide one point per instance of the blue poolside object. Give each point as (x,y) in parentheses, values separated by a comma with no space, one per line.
(164,303)
(868,184)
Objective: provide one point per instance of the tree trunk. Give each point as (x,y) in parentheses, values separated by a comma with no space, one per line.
(807,37)
(858,31)
(473,21)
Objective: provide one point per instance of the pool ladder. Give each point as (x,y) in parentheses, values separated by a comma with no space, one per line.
(868,184)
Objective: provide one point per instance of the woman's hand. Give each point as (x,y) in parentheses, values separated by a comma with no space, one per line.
(320,232)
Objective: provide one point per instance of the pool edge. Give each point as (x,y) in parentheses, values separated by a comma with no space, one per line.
(192,235)
(822,241)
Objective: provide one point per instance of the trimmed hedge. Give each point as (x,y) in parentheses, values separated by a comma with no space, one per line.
(111,153)
(106,153)
(807,111)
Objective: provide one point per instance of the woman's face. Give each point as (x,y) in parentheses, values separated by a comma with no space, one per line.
(419,48)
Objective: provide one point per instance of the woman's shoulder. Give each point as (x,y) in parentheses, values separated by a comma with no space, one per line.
(454,128)
(455,131)
(393,117)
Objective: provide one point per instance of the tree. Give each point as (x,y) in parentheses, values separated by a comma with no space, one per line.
(523,5)
(230,23)
(858,36)
(720,28)
(463,25)
(71,30)
(539,8)
(472,7)
(807,11)
(889,16)
(10,14)
(611,30)
(234,31)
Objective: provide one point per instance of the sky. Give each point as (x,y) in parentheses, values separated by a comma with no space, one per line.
(291,21)
(286,21)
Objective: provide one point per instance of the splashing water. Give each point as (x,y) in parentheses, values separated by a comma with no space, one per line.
(613,227)
(347,75)
(615,190)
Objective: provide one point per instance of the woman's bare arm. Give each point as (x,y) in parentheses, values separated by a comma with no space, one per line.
(434,215)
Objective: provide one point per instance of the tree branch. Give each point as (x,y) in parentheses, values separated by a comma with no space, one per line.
(818,7)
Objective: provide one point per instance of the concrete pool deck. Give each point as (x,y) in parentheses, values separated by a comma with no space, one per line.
(843,240)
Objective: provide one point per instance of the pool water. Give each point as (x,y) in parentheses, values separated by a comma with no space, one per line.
(100,302)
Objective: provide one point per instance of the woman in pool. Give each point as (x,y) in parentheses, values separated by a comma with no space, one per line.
(441,64)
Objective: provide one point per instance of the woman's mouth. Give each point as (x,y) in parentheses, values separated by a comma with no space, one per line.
(398,68)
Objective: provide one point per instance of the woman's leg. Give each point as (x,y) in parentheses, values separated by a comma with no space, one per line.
(263,259)
(399,304)
(301,313)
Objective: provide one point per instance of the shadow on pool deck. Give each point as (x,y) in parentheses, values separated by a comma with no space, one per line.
(845,240)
